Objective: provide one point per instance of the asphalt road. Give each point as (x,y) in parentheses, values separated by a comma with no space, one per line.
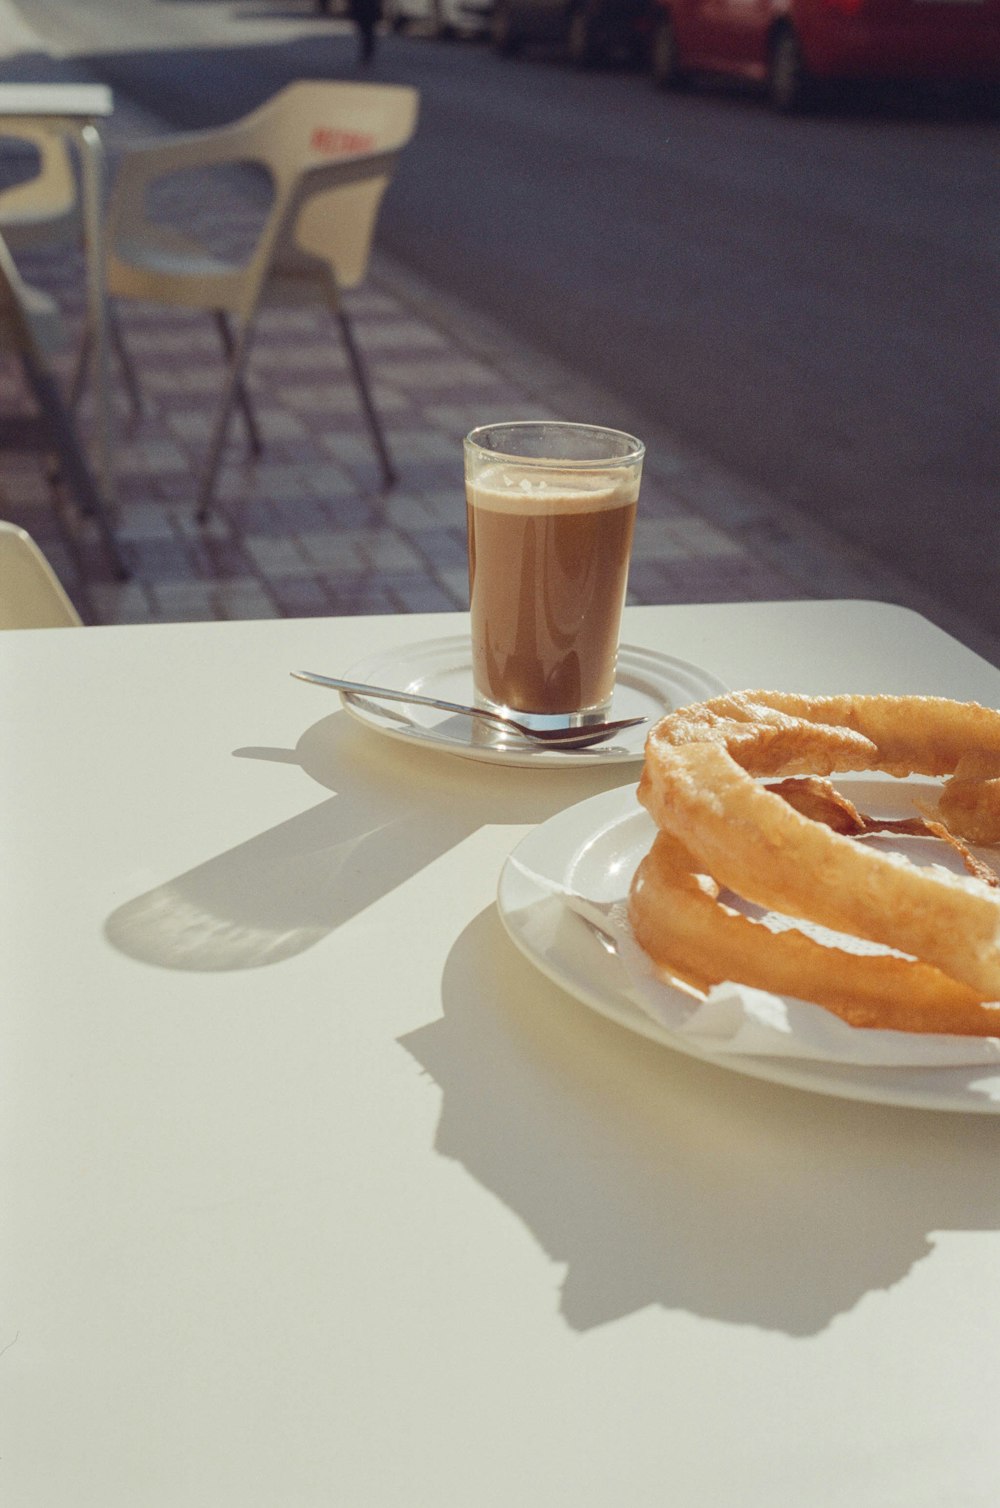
(809,303)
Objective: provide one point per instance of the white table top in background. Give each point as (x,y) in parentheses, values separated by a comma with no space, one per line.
(315,1192)
(62,101)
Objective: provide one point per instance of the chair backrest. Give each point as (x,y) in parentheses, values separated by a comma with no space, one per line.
(46,206)
(31,595)
(309,129)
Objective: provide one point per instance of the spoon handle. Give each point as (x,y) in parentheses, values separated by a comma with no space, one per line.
(399,696)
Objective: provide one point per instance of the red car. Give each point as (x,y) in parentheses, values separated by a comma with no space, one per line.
(790,45)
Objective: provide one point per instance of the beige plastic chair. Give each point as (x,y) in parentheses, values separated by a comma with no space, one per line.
(31,328)
(330,150)
(31,594)
(45,209)
(46,206)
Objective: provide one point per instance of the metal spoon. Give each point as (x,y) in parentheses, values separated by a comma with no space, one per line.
(561,738)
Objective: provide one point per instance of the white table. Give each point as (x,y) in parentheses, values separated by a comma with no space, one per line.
(315,1192)
(78,109)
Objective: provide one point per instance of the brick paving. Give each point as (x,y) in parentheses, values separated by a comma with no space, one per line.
(306,529)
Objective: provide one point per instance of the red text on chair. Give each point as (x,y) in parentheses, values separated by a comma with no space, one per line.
(333,142)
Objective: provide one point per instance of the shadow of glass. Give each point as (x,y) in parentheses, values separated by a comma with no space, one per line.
(659,1180)
(284,890)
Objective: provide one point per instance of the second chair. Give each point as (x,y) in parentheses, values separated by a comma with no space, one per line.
(330,150)
(31,594)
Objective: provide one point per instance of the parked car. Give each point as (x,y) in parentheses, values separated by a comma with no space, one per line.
(791,45)
(440,18)
(591,30)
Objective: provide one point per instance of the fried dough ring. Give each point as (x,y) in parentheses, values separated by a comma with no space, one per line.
(697,785)
(678,919)
(781,733)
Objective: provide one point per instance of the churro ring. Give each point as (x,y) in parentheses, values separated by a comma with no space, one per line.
(680,920)
(699,785)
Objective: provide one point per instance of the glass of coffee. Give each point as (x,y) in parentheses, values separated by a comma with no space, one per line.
(551,513)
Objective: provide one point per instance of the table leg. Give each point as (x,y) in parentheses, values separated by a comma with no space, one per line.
(92,169)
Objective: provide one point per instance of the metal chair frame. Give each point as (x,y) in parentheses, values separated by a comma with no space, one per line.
(29,321)
(45,209)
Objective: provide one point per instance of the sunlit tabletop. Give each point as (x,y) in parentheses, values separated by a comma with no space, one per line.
(316,1192)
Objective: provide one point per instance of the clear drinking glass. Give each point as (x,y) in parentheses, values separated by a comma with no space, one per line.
(551,513)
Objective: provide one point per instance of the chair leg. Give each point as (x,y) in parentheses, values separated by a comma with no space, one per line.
(72,464)
(242,397)
(79,380)
(125,362)
(389,475)
(83,360)
(230,396)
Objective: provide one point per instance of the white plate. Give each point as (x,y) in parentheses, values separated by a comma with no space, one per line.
(593,849)
(648,684)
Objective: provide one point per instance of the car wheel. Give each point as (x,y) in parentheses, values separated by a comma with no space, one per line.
(503,33)
(581,43)
(664,59)
(788,82)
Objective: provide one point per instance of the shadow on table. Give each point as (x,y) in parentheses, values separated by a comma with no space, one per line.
(660,1180)
(775,1208)
(284,890)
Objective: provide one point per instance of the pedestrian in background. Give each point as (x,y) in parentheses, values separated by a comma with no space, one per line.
(366,15)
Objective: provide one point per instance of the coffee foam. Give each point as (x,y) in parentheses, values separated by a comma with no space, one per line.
(516,489)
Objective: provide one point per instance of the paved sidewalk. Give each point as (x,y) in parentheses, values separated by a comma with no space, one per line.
(305,530)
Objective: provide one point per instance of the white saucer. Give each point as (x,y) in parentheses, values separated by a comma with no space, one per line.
(648,684)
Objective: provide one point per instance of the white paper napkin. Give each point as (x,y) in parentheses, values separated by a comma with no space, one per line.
(734,1019)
